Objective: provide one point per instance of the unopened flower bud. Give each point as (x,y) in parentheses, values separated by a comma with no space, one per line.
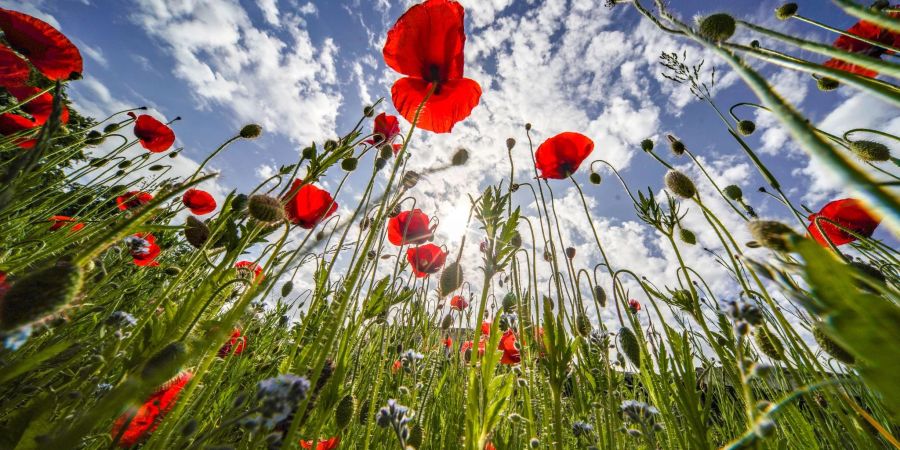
(870,151)
(826,84)
(733,192)
(265,209)
(460,157)
(746,127)
(349,164)
(680,184)
(718,27)
(786,11)
(771,234)
(368,111)
(687,236)
(510,143)
(251,131)
(594,178)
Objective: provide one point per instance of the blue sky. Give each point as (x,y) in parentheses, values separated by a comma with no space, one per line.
(305,69)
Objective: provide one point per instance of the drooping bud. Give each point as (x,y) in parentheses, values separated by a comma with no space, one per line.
(451,279)
(460,157)
(528,126)
(265,209)
(870,151)
(308,153)
(380,163)
(349,164)
(680,185)
(287,288)
(386,152)
(570,252)
(516,239)
(447,322)
(746,127)
(343,413)
(647,145)
(628,344)
(39,294)
(172,271)
(93,137)
(600,295)
(718,27)
(687,236)
(786,11)
(196,232)
(595,178)
(251,131)
(510,143)
(826,84)
(733,192)
(831,347)
(771,234)
(368,111)
(239,203)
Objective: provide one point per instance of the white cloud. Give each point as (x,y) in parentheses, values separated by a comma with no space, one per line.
(269,9)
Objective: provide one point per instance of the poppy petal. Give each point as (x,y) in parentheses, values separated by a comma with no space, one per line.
(11,124)
(154,135)
(849,213)
(13,69)
(41,107)
(561,155)
(427,41)
(409,227)
(51,52)
(199,202)
(307,205)
(452,102)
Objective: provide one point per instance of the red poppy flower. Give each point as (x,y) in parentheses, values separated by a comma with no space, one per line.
(508,345)
(386,128)
(249,269)
(409,227)
(14,70)
(133,199)
(489,446)
(426,44)
(153,134)
(328,444)
(49,51)
(849,213)
(467,345)
(150,414)
(199,202)
(144,249)
(396,366)
(426,259)
(308,205)
(13,124)
(485,328)
(866,30)
(61,221)
(634,305)
(458,303)
(41,107)
(560,156)
(234,346)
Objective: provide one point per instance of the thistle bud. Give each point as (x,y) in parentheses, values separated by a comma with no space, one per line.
(826,84)
(771,234)
(196,232)
(733,192)
(687,236)
(451,279)
(786,11)
(831,347)
(746,127)
(343,413)
(870,151)
(595,178)
(647,145)
(265,209)
(39,293)
(460,157)
(251,131)
(718,27)
(680,185)
(349,164)
(628,344)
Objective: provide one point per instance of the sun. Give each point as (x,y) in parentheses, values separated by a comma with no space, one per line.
(453,223)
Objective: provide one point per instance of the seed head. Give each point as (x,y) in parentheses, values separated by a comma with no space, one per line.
(510,143)
(769,344)
(831,347)
(570,252)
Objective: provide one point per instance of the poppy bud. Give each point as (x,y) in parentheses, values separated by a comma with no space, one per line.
(251,131)
(460,157)
(547,255)
(786,11)
(447,322)
(583,325)
(368,111)
(509,302)
(239,203)
(120,172)
(733,192)
(754,44)
(570,252)
(265,209)
(514,187)
(647,145)
(364,412)
(528,126)
(831,347)
(594,178)
(628,345)
(870,151)
(769,344)
(98,162)
(510,143)
(746,127)
(451,279)
(308,153)
(173,271)
(196,232)
(771,234)
(516,239)
(410,179)
(687,236)
(343,413)
(39,293)
(718,27)
(93,137)
(110,128)
(680,185)
(386,152)
(320,236)
(287,288)
(330,145)
(371,254)
(349,164)
(600,295)
(395,211)
(164,363)
(173,154)
(826,84)
(380,163)
(677,146)
(124,164)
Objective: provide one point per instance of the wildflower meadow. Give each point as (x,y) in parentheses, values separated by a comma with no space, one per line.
(138,310)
